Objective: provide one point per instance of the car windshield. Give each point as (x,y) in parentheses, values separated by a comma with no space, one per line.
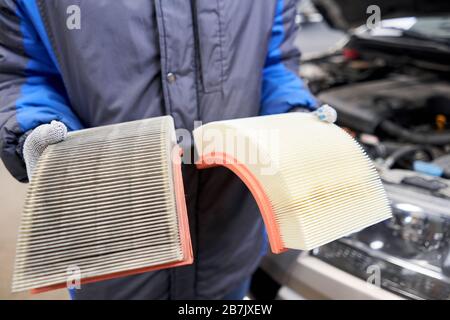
(438,27)
(435,28)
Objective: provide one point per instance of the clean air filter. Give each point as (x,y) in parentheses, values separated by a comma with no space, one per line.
(108,202)
(312,182)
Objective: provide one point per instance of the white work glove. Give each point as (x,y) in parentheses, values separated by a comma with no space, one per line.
(323,113)
(326,113)
(38,140)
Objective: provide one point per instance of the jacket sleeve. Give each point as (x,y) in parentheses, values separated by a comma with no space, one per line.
(31,89)
(282,88)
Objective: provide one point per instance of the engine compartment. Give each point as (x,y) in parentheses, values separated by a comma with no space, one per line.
(400,115)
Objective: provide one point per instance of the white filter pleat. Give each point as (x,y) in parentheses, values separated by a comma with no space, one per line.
(321,185)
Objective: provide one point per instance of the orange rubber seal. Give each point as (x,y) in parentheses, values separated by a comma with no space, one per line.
(214,159)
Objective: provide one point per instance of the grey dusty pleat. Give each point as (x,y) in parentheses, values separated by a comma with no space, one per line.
(103,201)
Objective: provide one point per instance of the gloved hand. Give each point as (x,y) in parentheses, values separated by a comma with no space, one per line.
(38,140)
(326,113)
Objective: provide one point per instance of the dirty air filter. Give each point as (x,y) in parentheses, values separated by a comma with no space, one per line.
(107,200)
(312,182)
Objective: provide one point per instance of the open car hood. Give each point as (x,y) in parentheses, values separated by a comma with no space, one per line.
(348,14)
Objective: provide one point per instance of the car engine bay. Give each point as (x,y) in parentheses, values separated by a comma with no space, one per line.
(400,113)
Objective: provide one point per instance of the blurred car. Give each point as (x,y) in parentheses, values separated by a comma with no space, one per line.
(390,83)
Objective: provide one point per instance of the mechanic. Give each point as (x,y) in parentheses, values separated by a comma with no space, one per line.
(134,59)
